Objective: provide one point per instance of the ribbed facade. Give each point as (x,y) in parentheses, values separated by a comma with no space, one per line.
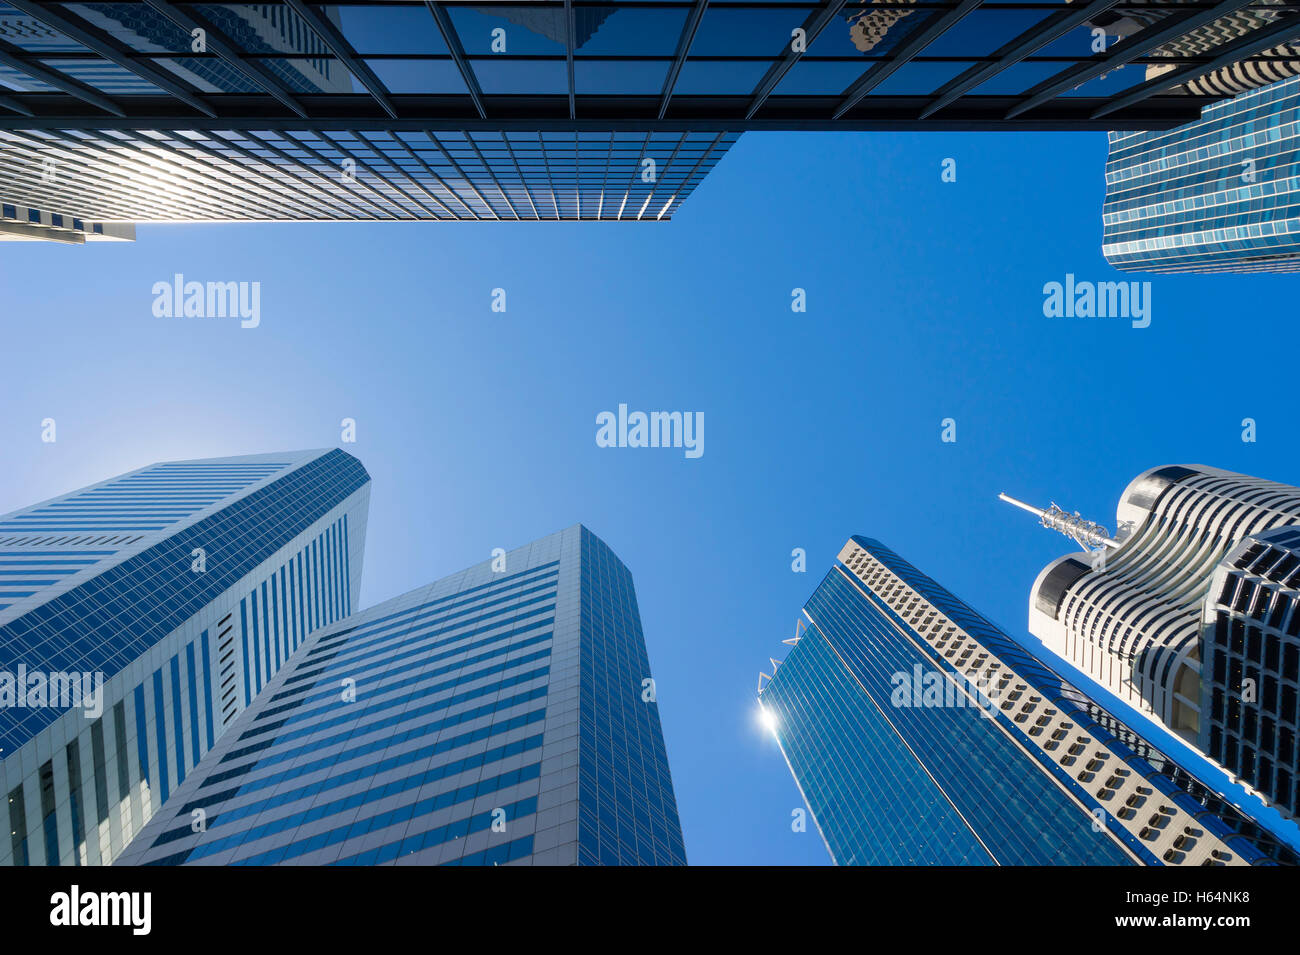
(496,716)
(1221,194)
(1133,624)
(1250,688)
(184,586)
(996,761)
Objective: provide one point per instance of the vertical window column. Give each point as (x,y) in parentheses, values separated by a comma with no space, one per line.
(18,826)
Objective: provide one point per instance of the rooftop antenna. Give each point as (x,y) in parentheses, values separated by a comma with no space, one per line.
(1089,535)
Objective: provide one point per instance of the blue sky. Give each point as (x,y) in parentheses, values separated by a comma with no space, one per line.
(924,301)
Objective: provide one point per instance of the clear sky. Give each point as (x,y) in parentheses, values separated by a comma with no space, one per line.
(924,302)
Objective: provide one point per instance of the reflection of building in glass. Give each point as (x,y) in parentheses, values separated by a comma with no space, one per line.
(553,23)
(868,29)
(264,28)
(1242,76)
(920,733)
(1239,77)
(1218,195)
(258,28)
(1225,81)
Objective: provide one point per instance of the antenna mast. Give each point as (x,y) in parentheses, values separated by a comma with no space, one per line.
(1089,535)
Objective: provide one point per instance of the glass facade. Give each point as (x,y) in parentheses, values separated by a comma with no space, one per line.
(42,545)
(170,589)
(1250,681)
(1216,195)
(679,60)
(919,733)
(493,717)
(262,175)
(553,109)
(627,810)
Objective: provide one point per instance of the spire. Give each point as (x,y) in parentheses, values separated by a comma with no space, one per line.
(1089,535)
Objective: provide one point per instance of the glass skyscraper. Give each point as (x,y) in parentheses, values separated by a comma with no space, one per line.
(1216,195)
(550,109)
(504,714)
(919,733)
(183,587)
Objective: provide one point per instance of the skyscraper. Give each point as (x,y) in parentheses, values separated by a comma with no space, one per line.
(139,616)
(1214,195)
(1133,620)
(20,224)
(1250,715)
(504,714)
(920,733)
(289,110)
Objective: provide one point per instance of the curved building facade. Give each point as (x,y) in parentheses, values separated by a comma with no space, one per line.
(1133,621)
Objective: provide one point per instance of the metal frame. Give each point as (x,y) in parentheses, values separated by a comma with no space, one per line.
(110,49)
(889,113)
(224,47)
(1230,53)
(373,106)
(569,31)
(812,27)
(452,39)
(1171,28)
(9,103)
(927,34)
(689,29)
(343,52)
(11,56)
(1051,29)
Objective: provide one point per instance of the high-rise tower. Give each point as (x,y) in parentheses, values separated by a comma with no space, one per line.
(504,714)
(1214,195)
(1191,615)
(1130,615)
(158,111)
(139,616)
(920,733)
(1250,676)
